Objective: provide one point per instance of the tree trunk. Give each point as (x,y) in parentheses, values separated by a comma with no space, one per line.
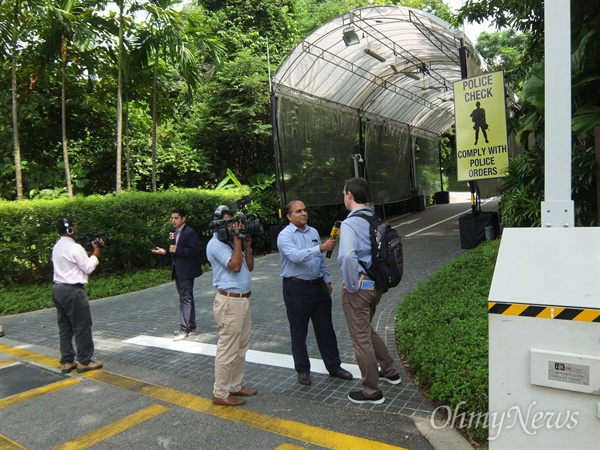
(64,117)
(154,107)
(127,146)
(119,100)
(15,107)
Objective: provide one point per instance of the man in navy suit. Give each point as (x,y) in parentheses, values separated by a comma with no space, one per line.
(185,266)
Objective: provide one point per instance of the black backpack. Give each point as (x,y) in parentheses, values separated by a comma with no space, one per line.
(387,264)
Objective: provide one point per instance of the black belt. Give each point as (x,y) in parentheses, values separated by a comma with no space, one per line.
(300,280)
(234,294)
(76,285)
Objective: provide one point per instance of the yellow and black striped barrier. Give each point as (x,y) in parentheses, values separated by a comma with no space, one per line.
(545,311)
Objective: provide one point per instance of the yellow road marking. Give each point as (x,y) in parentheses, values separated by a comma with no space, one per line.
(34,393)
(7,444)
(30,356)
(286,446)
(110,430)
(294,430)
(7,361)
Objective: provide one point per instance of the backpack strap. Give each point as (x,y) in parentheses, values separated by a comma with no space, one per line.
(370,219)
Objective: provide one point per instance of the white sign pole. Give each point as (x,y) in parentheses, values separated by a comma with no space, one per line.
(558,209)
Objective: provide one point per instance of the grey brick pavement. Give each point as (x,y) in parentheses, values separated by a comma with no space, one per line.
(155,312)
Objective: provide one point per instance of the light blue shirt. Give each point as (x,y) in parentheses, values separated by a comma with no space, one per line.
(355,246)
(219,254)
(300,254)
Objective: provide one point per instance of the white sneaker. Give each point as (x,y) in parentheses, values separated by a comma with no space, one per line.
(180,336)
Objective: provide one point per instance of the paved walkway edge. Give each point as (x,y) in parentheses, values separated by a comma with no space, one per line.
(441,438)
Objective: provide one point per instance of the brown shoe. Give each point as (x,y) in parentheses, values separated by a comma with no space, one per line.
(244,392)
(230,400)
(68,367)
(89,366)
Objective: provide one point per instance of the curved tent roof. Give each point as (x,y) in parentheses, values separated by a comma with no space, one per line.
(401,70)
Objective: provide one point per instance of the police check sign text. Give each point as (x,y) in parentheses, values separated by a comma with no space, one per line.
(480,118)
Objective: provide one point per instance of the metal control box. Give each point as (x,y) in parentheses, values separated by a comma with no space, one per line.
(544,340)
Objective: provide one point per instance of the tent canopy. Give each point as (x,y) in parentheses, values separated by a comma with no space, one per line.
(401,69)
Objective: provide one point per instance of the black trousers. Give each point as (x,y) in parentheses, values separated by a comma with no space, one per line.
(306,303)
(74,321)
(187,306)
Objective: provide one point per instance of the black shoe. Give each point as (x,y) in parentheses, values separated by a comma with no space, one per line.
(392,379)
(341,373)
(359,397)
(304,378)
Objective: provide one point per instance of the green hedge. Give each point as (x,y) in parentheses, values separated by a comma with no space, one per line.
(442,332)
(137,222)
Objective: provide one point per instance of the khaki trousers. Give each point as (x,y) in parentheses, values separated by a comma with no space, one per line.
(233,318)
(369,349)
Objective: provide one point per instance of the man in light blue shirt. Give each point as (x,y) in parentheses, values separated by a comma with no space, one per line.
(360,301)
(232,260)
(307,292)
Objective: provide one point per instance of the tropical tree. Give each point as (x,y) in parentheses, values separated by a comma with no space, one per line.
(121,4)
(71,23)
(175,36)
(12,31)
(503,51)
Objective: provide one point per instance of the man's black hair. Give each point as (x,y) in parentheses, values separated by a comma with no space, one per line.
(182,212)
(288,207)
(359,188)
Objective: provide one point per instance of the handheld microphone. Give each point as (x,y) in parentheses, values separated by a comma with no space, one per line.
(335,233)
(173,237)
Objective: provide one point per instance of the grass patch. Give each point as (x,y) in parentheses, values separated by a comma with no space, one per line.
(442,334)
(17,299)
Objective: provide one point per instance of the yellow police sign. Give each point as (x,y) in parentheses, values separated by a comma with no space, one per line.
(480,118)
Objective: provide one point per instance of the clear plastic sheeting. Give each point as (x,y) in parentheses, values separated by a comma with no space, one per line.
(388,156)
(316,146)
(370,83)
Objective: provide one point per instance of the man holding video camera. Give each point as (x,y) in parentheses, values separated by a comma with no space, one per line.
(230,255)
(72,265)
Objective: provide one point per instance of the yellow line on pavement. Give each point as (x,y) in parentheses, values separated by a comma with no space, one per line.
(7,361)
(7,444)
(110,430)
(30,356)
(34,393)
(294,430)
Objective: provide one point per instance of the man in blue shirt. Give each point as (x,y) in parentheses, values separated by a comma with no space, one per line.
(307,292)
(232,260)
(358,301)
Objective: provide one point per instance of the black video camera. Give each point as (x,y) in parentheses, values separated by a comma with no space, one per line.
(93,237)
(249,223)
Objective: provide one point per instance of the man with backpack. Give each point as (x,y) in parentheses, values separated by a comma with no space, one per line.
(360,296)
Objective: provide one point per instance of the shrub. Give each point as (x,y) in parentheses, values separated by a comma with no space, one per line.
(137,221)
(442,332)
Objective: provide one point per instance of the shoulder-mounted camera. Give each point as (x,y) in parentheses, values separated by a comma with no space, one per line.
(249,224)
